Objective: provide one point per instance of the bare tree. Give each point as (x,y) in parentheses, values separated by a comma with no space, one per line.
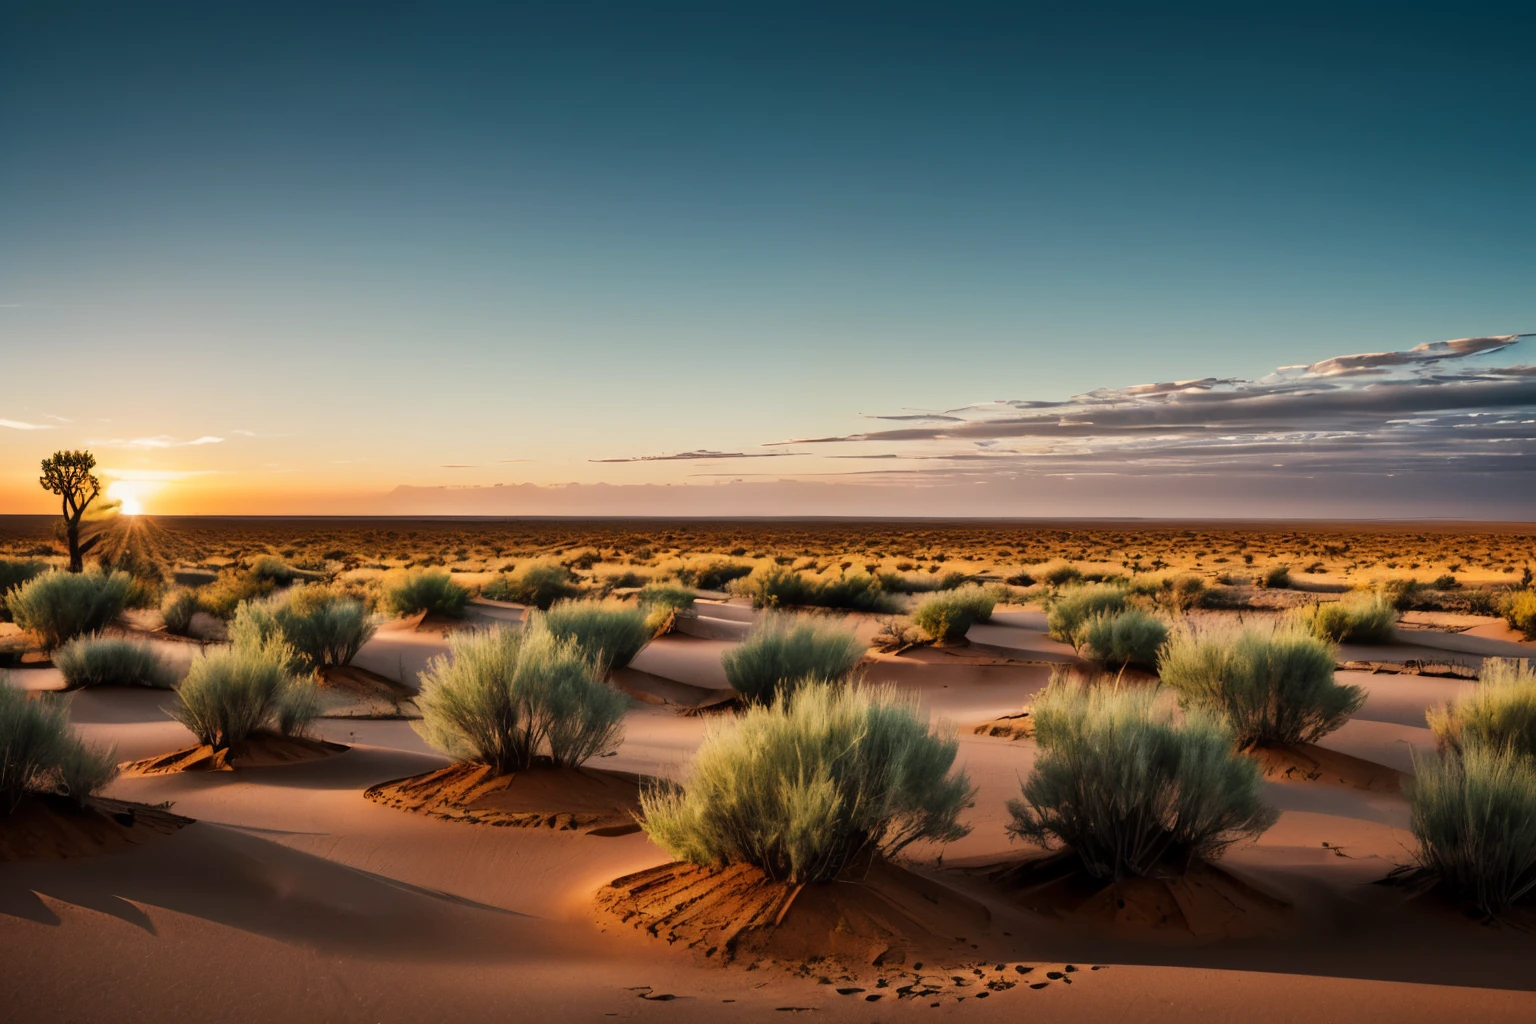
(68,474)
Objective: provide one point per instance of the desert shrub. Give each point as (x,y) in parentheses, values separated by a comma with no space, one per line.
(1184,592)
(105,661)
(626,580)
(539,585)
(177,611)
(667,597)
(1059,574)
(858,592)
(783,652)
(425,590)
(773,586)
(948,616)
(1500,712)
(812,784)
(1360,620)
(14,572)
(1116,639)
(610,634)
(271,569)
(1474,816)
(1276,577)
(1403,594)
(903,583)
(232,693)
(84,771)
(714,575)
(1130,787)
(59,606)
(38,753)
(232,587)
(506,697)
(1444,581)
(1520,612)
(1271,686)
(322,628)
(1070,607)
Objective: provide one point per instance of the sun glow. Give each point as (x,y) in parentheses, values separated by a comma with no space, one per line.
(130,494)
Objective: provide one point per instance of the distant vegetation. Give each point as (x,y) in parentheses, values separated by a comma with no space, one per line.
(807,787)
(777,587)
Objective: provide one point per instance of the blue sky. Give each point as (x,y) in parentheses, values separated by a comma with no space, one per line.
(366,246)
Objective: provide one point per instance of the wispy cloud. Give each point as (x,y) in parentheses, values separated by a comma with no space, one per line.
(259,434)
(156,442)
(22,425)
(1430,407)
(460,465)
(699,454)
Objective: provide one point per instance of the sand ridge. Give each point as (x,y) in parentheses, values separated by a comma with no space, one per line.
(544,797)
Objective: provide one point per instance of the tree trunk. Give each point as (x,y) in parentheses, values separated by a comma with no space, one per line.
(72,534)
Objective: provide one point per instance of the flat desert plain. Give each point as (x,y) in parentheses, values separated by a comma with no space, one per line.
(281,892)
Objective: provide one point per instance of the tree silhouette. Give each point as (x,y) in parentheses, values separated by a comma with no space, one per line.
(68,474)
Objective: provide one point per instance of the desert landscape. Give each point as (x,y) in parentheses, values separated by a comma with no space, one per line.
(714,512)
(361,858)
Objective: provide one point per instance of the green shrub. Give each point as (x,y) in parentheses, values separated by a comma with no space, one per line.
(1276,577)
(1500,712)
(608,633)
(947,617)
(1117,639)
(1184,592)
(773,586)
(425,590)
(1059,574)
(1129,787)
(235,692)
(505,697)
(59,606)
(1070,607)
(1474,816)
(1271,686)
(666,597)
(1520,612)
(1364,620)
(232,587)
(807,787)
(13,573)
(177,611)
(103,661)
(39,754)
(714,575)
(271,569)
(539,585)
(857,592)
(1403,594)
(322,628)
(784,652)
(904,583)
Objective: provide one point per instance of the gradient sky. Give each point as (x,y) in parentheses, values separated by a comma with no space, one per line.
(337,258)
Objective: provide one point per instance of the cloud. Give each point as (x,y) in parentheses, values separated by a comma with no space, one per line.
(700,454)
(257,434)
(156,442)
(1427,409)
(20,425)
(460,465)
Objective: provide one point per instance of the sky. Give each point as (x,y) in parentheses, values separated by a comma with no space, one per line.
(779,258)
